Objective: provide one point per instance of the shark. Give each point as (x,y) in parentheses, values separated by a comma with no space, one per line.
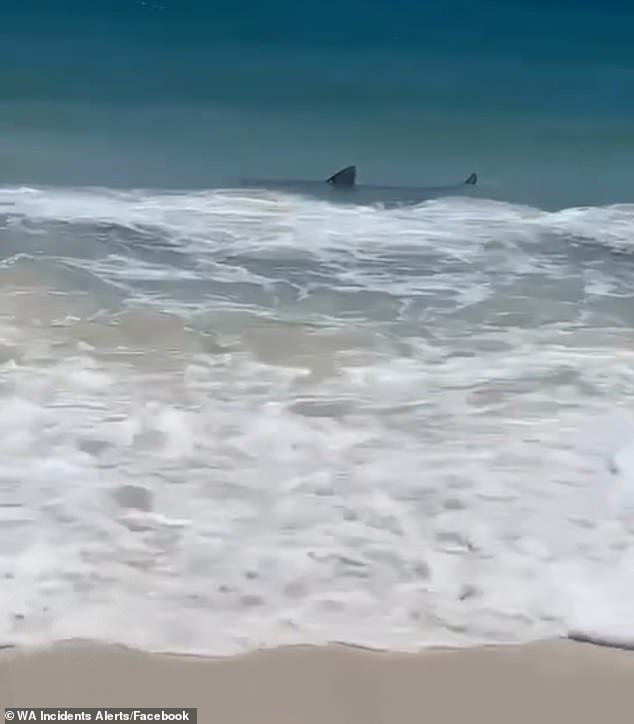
(342,187)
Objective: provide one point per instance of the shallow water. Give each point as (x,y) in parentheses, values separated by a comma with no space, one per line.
(237,418)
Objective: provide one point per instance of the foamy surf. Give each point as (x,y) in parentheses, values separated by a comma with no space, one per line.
(236,419)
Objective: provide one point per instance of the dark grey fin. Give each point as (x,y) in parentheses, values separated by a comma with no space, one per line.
(472,180)
(345,178)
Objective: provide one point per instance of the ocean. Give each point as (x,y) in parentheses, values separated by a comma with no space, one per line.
(236,417)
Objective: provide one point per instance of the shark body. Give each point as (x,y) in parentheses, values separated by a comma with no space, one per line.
(342,187)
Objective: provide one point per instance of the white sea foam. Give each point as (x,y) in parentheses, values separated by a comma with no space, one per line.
(293,421)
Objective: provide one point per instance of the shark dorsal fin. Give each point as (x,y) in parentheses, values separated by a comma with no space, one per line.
(345,178)
(472,180)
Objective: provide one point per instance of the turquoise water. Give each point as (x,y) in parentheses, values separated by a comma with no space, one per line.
(538,98)
(236,417)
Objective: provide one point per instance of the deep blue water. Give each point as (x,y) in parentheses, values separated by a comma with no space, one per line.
(537,97)
(233,419)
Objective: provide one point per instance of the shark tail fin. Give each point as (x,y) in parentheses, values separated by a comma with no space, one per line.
(472,180)
(345,178)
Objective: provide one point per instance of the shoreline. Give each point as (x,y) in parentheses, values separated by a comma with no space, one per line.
(557,680)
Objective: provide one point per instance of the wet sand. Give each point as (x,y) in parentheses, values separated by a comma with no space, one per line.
(555,681)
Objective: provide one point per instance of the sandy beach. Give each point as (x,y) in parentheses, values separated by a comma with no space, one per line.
(555,681)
